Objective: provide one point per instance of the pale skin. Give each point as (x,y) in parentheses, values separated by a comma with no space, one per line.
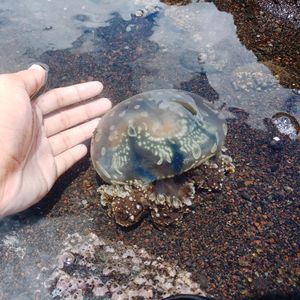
(42,137)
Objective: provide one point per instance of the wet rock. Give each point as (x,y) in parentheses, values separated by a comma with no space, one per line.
(286,124)
(148,11)
(245,196)
(176,2)
(251,77)
(275,144)
(82,18)
(48,28)
(132,273)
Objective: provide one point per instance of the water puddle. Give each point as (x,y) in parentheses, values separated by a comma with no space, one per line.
(135,46)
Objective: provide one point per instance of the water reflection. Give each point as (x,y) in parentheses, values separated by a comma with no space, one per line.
(115,54)
(162,47)
(198,37)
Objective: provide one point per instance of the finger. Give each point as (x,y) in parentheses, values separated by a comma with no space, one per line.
(62,97)
(71,117)
(32,79)
(68,158)
(72,137)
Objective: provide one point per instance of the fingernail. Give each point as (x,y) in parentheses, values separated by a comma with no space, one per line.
(36,67)
(39,66)
(45,68)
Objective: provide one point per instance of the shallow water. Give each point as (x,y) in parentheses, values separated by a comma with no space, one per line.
(135,46)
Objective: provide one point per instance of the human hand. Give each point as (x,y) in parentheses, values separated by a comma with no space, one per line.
(41,138)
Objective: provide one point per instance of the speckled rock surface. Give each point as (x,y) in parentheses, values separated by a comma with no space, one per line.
(240,243)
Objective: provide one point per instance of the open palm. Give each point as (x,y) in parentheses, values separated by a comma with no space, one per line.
(41,138)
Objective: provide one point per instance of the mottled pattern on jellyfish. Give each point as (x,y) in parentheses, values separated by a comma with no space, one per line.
(156,134)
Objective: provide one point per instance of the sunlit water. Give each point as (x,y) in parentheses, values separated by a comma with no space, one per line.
(156,46)
(188,42)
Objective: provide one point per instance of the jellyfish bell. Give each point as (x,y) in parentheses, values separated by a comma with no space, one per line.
(154,135)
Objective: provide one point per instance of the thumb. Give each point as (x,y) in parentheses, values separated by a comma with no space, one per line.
(34,79)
